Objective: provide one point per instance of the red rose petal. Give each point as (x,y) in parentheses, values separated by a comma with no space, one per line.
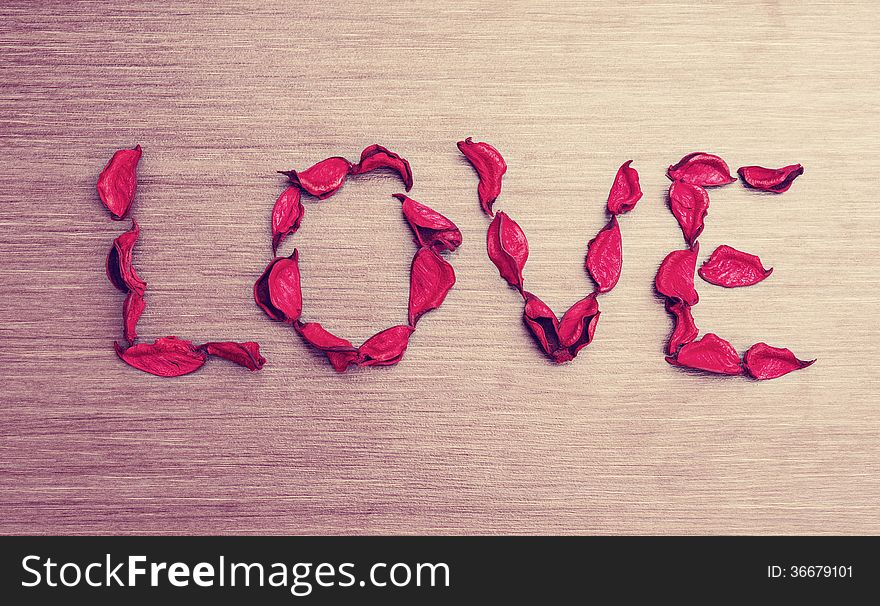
(386,347)
(490,167)
(578,324)
(166,357)
(605,256)
(542,322)
(430,279)
(323,179)
(262,294)
(776,180)
(689,205)
(711,354)
(430,227)
(675,277)
(765,362)
(132,309)
(625,191)
(508,249)
(699,168)
(285,293)
(321,338)
(117,183)
(120,269)
(375,157)
(685,330)
(287,216)
(341,360)
(245,354)
(731,268)
(339,352)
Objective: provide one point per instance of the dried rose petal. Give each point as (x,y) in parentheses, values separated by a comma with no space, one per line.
(765,362)
(341,360)
(120,270)
(323,179)
(711,353)
(118,182)
(375,157)
(490,167)
(262,294)
(675,277)
(578,324)
(430,227)
(699,168)
(625,191)
(731,268)
(386,347)
(277,291)
(132,309)
(508,249)
(245,354)
(287,215)
(284,288)
(114,273)
(685,330)
(166,357)
(339,352)
(321,338)
(776,180)
(430,279)
(542,322)
(689,205)
(561,340)
(605,256)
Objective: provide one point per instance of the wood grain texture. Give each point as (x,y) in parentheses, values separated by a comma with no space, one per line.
(474,432)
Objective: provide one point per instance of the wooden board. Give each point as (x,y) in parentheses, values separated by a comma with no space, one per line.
(474,432)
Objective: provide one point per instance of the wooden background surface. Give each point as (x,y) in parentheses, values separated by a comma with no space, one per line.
(474,432)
